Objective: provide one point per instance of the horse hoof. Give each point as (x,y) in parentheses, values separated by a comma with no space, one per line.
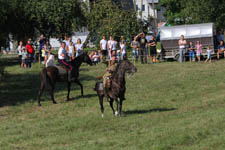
(116,113)
(54,103)
(39,105)
(102,115)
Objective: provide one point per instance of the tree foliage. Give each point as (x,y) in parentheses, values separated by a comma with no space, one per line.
(26,18)
(107,18)
(195,11)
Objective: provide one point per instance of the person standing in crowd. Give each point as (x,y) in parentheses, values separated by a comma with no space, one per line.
(103,48)
(19,49)
(182,48)
(71,51)
(209,51)
(62,57)
(23,58)
(191,49)
(66,41)
(41,46)
(198,48)
(221,49)
(109,45)
(30,51)
(79,47)
(134,45)
(123,52)
(143,45)
(113,45)
(122,39)
(48,50)
(153,53)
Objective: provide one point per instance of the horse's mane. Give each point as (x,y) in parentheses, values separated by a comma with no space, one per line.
(77,59)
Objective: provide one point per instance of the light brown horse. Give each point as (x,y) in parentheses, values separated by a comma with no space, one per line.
(50,75)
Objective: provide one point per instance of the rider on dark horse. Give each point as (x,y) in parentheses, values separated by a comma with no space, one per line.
(107,77)
(62,59)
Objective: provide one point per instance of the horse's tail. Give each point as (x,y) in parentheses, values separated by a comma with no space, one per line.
(44,78)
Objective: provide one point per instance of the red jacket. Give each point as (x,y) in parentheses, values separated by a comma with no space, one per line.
(30,49)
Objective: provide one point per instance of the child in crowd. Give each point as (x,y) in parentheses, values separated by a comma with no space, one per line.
(24,58)
(123,50)
(209,51)
(96,57)
(71,51)
(198,48)
(191,49)
(47,49)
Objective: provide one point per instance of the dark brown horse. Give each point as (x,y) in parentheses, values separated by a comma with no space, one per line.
(50,75)
(118,87)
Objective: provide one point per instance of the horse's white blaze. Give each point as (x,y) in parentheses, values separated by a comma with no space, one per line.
(102,115)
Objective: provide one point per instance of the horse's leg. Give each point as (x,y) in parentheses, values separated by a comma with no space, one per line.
(121,104)
(111,105)
(101,104)
(40,93)
(51,91)
(81,87)
(68,94)
(117,107)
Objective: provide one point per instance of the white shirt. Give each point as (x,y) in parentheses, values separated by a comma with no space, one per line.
(95,57)
(79,47)
(20,50)
(61,51)
(114,43)
(123,48)
(110,44)
(103,43)
(71,50)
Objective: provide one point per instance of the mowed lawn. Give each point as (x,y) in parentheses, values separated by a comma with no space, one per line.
(168,106)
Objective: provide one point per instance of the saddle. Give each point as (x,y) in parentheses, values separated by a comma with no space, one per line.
(63,71)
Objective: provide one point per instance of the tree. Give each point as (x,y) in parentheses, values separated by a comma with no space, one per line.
(195,11)
(25,19)
(107,18)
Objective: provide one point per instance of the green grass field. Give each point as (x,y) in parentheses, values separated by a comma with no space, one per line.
(168,106)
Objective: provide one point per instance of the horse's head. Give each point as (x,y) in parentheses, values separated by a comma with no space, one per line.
(128,67)
(83,58)
(86,58)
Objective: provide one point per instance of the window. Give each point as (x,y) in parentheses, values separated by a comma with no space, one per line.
(143,7)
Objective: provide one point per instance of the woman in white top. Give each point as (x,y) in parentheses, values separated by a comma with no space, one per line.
(19,49)
(123,50)
(109,45)
(78,47)
(182,48)
(71,51)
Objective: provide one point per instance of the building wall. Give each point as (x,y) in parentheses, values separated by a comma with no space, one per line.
(146,9)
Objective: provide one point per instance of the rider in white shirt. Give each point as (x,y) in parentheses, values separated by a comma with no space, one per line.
(62,57)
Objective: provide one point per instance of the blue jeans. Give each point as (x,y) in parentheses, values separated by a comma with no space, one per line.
(182,54)
(191,54)
(135,54)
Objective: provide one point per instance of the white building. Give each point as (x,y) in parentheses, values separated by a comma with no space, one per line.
(145,9)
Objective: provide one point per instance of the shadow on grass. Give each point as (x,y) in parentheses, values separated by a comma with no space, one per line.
(131,112)
(17,89)
(85,96)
